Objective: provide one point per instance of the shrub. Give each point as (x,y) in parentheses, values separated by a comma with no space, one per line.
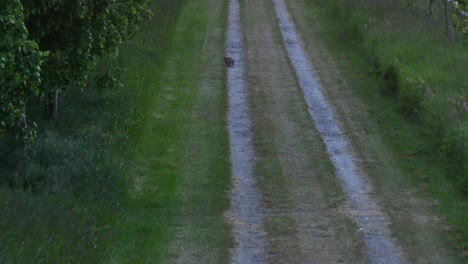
(59,165)
(389,81)
(455,147)
(411,97)
(20,68)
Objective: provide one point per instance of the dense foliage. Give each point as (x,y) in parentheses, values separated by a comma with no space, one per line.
(461,18)
(64,195)
(78,32)
(74,34)
(20,65)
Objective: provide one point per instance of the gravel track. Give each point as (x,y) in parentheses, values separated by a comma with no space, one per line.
(381,247)
(245,213)
(303,219)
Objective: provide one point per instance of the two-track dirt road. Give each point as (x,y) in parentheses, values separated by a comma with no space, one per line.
(299,192)
(277,66)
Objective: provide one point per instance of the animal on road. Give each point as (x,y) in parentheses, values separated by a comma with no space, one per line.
(229,62)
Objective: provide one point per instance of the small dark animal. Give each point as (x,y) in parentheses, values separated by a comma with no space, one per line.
(229,61)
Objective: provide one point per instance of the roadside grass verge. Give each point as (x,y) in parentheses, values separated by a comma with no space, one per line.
(60,193)
(417,65)
(62,196)
(417,160)
(179,170)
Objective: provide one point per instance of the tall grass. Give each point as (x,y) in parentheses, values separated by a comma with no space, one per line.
(63,194)
(417,65)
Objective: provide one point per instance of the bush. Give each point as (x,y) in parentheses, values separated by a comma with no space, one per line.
(59,165)
(410,97)
(455,147)
(389,81)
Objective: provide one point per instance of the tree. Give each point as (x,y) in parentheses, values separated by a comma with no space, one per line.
(448,25)
(461,18)
(77,33)
(20,68)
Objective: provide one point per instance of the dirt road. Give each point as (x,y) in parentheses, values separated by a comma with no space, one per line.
(277,84)
(299,191)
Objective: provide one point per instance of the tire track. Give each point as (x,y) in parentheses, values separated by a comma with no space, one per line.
(245,213)
(301,197)
(374,224)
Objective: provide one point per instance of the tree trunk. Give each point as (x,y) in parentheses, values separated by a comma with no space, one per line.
(449,27)
(21,128)
(431,8)
(56,103)
(51,103)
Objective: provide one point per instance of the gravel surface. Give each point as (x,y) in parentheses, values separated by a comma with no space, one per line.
(373,223)
(245,213)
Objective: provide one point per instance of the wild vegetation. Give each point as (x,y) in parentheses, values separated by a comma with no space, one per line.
(419,66)
(72,35)
(63,184)
(20,67)
(413,80)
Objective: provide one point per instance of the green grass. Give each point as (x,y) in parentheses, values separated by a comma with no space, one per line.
(431,83)
(60,192)
(121,171)
(65,195)
(179,171)
(418,159)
